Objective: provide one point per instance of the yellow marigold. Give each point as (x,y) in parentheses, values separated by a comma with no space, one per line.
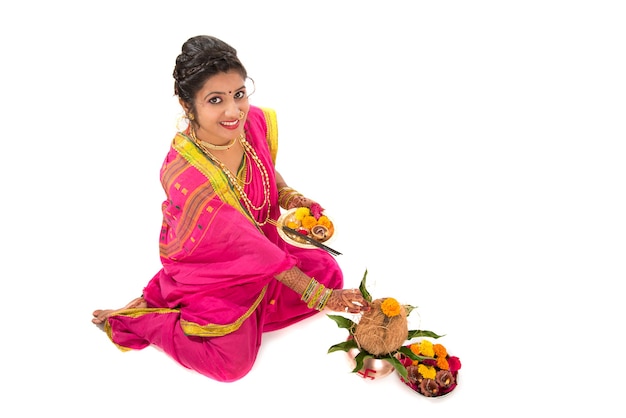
(426,348)
(428,372)
(324,221)
(390,307)
(415,348)
(442,363)
(301,212)
(293,225)
(309,221)
(440,350)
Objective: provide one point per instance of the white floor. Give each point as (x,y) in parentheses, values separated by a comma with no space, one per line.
(471,154)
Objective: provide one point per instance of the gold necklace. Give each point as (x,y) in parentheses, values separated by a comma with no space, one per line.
(192,133)
(234,181)
(242,175)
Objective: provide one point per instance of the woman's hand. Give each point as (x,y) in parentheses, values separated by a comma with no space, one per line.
(347,301)
(302,201)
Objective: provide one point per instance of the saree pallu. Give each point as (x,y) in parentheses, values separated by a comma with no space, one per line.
(216,292)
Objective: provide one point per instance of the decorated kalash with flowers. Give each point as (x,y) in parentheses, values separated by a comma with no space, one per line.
(379,343)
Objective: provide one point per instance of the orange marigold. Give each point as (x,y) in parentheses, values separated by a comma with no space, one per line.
(324,221)
(440,350)
(442,363)
(415,348)
(390,307)
(309,221)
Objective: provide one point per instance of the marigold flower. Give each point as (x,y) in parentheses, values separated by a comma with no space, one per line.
(428,372)
(293,225)
(390,307)
(325,221)
(442,363)
(415,348)
(301,212)
(426,348)
(309,222)
(440,350)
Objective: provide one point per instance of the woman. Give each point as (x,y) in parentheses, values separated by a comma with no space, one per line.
(226,275)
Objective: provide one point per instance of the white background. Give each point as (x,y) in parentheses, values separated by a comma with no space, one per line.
(470,153)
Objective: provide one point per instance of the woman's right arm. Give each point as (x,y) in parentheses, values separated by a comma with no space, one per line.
(339,300)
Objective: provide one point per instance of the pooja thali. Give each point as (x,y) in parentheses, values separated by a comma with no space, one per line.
(301,220)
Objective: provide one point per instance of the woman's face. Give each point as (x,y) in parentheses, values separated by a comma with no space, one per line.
(219,106)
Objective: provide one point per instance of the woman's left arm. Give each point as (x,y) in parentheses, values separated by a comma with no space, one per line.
(280,181)
(289,198)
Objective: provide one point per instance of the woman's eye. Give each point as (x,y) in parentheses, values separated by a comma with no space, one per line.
(215,100)
(240,94)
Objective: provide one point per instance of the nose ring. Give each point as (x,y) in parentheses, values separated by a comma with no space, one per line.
(241,114)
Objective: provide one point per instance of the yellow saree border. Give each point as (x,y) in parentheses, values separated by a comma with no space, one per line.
(134,313)
(272,131)
(219,181)
(188,327)
(190,152)
(215,330)
(216,176)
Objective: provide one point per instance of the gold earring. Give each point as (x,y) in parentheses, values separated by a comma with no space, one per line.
(190,116)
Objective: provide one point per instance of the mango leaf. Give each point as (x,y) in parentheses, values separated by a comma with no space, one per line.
(342,322)
(407,352)
(364,292)
(422,333)
(359,360)
(344,346)
(397,364)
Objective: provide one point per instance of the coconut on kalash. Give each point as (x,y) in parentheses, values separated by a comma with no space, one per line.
(380,333)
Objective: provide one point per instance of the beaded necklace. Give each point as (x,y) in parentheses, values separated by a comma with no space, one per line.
(234,181)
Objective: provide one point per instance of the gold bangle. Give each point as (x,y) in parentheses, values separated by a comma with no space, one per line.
(289,199)
(308,292)
(282,201)
(285,195)
(315,297)
(321,304)
(284,190)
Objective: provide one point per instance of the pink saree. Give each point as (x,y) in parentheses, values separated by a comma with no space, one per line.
(216,293)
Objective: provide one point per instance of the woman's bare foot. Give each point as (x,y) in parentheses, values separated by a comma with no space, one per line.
(101,315)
